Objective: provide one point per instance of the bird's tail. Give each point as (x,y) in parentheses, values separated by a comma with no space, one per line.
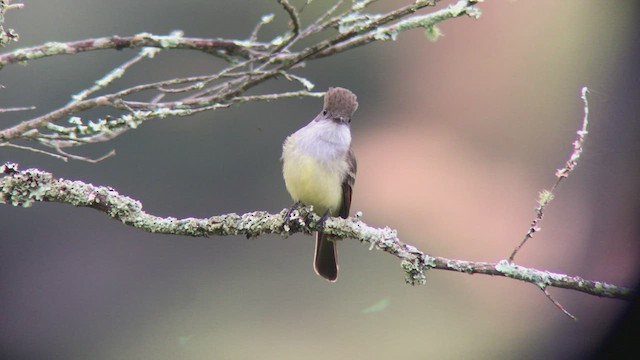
(325,258)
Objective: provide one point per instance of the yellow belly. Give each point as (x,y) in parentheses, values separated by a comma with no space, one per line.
(314,183)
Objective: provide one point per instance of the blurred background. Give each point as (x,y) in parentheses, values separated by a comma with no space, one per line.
(455,138)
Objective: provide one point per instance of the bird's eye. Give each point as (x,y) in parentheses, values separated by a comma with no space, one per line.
(324,112)
(348,120)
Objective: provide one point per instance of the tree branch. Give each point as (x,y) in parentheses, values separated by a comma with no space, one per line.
(217,47)
(24,187)
(546,196)
(250,63)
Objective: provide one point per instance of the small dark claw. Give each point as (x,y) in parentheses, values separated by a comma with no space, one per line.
(295,206)
(323,219)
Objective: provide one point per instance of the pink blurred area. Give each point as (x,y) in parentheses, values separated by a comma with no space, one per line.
(474,126)
(454,138)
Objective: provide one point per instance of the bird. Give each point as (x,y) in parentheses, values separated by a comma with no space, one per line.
(319,169)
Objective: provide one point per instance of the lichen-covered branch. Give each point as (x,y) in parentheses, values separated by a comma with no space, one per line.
(217,47)
(249,63)
(25,187)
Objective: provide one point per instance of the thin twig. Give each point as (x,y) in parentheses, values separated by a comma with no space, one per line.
(295,18)
(25,108)
(84,158)
(557,304)
(546,196)
(318,24)
(263,21)
(114,74)
(271,97)
(29,148)
(216,47)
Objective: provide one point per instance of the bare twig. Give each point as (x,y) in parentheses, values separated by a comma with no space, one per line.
(318,24)
(85,158)
(263,21)
(24,108)
(271,97)
(114,74)
(29,148)
(295,23)
(546,196)
(578,144)
(557,304)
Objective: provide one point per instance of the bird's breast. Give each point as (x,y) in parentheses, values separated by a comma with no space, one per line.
(314,182)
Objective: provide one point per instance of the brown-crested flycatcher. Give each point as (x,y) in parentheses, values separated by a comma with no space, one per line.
(319,169)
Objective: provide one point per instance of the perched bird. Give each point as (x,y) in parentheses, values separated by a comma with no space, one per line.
(319,169)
